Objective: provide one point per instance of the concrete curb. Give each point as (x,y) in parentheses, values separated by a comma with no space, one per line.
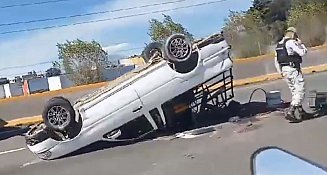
(53,93)
(271,55)
(24,121)
(243,82)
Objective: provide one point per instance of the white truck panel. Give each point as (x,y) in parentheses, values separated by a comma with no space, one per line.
(110,105)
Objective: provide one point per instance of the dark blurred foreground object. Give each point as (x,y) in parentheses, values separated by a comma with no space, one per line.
(276,161)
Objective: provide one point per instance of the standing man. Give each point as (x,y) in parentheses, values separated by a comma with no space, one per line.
(289,53)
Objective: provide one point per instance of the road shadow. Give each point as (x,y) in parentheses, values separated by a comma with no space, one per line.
(236,111)
(8,132)
(97,146)
(204,119)
(312,114)
(2,123)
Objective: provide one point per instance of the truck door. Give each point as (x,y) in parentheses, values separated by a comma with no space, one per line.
(131,120)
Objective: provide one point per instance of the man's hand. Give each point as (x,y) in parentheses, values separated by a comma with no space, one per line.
(299,41)
(297,47)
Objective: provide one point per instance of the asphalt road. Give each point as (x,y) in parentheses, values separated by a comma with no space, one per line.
(222,152)
(34,106)
(31,106)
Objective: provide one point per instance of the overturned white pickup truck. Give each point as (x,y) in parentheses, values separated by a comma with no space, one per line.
(179,77)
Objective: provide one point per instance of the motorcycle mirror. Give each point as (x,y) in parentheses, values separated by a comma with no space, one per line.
(275,161)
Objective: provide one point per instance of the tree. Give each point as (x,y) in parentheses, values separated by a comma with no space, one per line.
(306,9)
(310,19)
(265,22)
(261,7)
(273,14)
(159,31)
(247,33)
(82,61)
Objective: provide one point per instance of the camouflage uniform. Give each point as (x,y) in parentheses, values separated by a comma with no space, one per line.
(288,59)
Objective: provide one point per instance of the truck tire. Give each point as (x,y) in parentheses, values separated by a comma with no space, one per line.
(150,50)
(58,114)
(178,48)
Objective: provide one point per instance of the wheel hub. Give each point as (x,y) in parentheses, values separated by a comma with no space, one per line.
(179,48)
(58,116)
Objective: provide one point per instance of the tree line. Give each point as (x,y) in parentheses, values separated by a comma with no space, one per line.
(264,23)
(84,61)
(251,33)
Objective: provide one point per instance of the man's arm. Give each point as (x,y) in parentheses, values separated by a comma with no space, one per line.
(297,47)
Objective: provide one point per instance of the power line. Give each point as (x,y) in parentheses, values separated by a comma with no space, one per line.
(90,14)
(48,62)
(33,3)
(30,65)
(110,19)
(125,50)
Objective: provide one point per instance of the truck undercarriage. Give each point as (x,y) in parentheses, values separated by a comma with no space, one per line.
(213,94)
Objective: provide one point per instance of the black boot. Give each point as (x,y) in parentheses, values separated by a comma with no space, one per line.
(292,116)
(305,115)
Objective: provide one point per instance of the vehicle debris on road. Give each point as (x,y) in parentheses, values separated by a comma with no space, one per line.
(191,156)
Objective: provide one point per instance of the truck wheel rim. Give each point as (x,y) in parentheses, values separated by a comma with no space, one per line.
(58,117)
(179,48)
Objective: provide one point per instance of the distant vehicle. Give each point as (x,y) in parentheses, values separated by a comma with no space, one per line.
(179,76)
(52,72)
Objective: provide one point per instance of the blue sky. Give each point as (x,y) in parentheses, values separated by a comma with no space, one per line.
(26,48)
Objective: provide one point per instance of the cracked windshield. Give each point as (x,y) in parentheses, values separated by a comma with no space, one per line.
(155,87)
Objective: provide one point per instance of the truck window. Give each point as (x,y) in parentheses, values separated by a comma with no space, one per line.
(156,117)
(135,128)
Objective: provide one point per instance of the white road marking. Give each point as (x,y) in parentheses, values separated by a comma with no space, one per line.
(8,132)
(12,151)
(30,163)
